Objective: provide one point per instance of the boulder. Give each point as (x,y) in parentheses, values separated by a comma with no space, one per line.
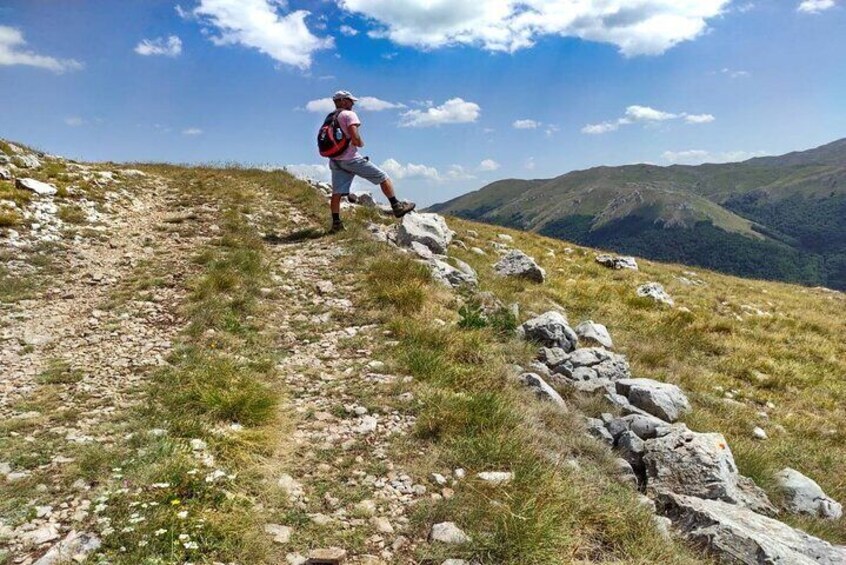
(802,495)
(464,268)
(5,174)
(734,534)
(429,229)
(664,400)
(617,262)
(631,448)
(422,251)
(365,199)
(75,546)
(644,427)
(518,264)
(36,186)
(590,331)
(446,274)
(596,428)
(27,161)
(656,292)
(700,465)
(542,388)
(552,356)
(551,330)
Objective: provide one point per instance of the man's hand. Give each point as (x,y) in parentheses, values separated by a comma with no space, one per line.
(355,136)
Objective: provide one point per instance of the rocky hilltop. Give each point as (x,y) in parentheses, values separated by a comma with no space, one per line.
(191,369)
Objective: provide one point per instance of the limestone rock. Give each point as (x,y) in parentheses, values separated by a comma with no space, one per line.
(76,546)
(542,388)
(365,199)
(592,332)
(330,556)
(496,478)
(617,262)
(518,264)
(804,496)
(429,229)
(735,534)
(663,400)
(656,292)
(281,534)
(700,465)
(27,161)
(5,174)
(596,428)
(643,426)
(36,186)
(448,532)
(448,275)
(551,330)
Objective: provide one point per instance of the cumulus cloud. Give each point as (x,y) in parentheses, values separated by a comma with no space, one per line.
(488,165)
(699,156)
(12,52)
(74,121)
(644,114)
(636,27)
(192,131)
(410,170)
(526,124)
(170,47)
(735,73)
(310,172)
(348,31)
(366,103)
(453,111)
(258,24)
(815,6)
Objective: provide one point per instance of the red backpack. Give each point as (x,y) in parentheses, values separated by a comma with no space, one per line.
(331,139)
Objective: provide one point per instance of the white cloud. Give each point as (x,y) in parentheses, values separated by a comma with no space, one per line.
(488,165)
(551,129)
(815,6)
(170,47)
(636,27)
(192,131)
(367,103)
(74,121)
(410,171)
(699,156)
(453,111)
(310,172)
(526,124)
(12,53)
(457,172)
(348,31)
(735,73)
(257,24)
(529,164)
(645,114)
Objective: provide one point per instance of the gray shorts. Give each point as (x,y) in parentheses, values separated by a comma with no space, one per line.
(343,173)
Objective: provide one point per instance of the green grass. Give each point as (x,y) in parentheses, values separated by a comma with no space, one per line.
(470,415)
(72,214)
(9,218)
(59,372)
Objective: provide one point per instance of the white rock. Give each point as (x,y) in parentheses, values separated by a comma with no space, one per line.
(656,292)
(518,264)
(36,186)
(281,534)
(593,332)
(804,496)
(505,237)
(382,525)
(76,546)
(430,230)
(551,330)
(496,478)
(759,433)
(663,400)
(48,532)
(448,532)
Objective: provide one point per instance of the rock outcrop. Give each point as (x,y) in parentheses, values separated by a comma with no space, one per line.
(36,186)
(551,330)
(656,292)
(803,495)
(664,400)
(617,262)
(429,229)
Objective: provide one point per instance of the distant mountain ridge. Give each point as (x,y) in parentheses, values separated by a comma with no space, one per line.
(780,217)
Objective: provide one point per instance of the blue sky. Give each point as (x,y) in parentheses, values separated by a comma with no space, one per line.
(461,92)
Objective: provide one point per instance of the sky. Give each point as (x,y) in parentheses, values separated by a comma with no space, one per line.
(455,94)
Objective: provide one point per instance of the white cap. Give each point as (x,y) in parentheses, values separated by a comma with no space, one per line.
(344,94)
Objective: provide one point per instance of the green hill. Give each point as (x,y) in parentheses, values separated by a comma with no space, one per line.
(778,218)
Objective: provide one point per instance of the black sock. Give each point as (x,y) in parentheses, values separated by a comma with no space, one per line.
(393,200)
(336,218)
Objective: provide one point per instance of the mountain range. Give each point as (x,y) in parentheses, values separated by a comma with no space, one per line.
(781,218)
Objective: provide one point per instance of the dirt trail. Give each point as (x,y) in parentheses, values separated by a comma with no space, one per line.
(71,359)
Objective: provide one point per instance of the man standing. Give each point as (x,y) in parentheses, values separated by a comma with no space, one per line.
(349,164)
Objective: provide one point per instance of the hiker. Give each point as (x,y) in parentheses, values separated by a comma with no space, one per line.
(339,139)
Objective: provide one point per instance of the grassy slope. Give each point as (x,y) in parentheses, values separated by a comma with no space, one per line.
(795,358)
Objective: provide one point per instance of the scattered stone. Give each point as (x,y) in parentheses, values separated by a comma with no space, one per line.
(281,534)
(330,556)
(700,465)
(663,400)
(593,332)
(76,546)
(450,276)
(735,534)
(505,237)
(36,186)
(802,495)
(541,388)
(45,533)
(26,161)
(643,426)
(365,199)
(290,486)
(430,230)
(617,262)
(518,264)
(496,478)
(551,330)
(382,525)
(656,292)
(448,532)
(759,433)
(325,287)
(5,174)
(478,251)
(422,251)
(631,448)
(596,428)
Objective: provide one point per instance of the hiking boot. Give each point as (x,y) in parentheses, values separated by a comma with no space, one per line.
(337,227)
(352,198)
(402,208)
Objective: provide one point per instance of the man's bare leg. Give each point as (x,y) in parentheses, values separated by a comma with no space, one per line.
(335,203)
(387,187)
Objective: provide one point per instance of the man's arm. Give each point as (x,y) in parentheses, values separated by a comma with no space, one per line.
(355,136)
